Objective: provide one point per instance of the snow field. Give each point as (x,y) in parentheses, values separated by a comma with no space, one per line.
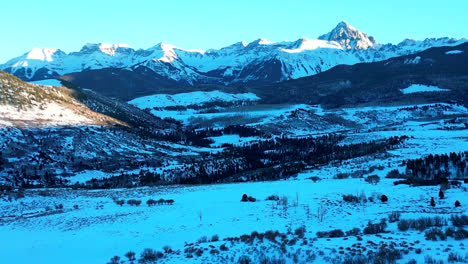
(100,229)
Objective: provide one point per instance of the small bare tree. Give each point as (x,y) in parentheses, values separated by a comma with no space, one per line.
(321,211)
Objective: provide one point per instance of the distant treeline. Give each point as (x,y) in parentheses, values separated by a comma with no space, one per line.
(438,168)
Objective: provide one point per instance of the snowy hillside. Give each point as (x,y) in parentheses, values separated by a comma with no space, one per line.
(24,104)
(192,98)
(419,88)
(258,61)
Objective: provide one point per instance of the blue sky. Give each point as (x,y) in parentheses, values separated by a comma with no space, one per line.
(205,24)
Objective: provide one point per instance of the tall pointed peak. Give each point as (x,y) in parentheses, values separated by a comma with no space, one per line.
(349,37)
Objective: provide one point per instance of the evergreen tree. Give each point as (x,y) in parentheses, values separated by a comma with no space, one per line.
(441,194)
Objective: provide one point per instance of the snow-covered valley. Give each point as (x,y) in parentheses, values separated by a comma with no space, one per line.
(209,223)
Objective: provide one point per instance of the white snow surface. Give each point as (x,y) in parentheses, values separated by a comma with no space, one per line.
(420,88)
(192,98)
(233,139)
(49,113)
(454,52)
(100,229)
(48,82)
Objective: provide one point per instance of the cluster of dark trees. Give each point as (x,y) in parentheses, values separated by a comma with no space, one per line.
(438,168)
(273,159)
(200,137)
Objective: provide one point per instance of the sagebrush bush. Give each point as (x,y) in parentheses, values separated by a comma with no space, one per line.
(214,238)
(395,174)
(454,257)
(387,255)
(341,176)
(353,232)
(421,223)
(151,202)
(114,260)
(459,220)
(202,239)
(350,198)
(223,247)
(130,255)
(375,228)
(434,233)
(134,202)
(300,232)
(273,197)
(430,260)
(372,179)
(271,260)
(330,234)
(271,235)
(148,255)
(460,234)
(244,260)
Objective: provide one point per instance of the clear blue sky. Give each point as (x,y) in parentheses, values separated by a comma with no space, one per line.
(205,24)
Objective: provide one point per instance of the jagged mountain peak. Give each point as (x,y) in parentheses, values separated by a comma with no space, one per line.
(107,48)
(349,37)
(260,41)
(43,54)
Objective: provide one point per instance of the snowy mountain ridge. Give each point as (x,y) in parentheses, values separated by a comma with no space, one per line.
(259,61)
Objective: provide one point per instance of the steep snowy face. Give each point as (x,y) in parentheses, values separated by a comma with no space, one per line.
(109,49)
(349,37)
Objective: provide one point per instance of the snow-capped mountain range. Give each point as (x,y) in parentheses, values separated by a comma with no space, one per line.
(258,61)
